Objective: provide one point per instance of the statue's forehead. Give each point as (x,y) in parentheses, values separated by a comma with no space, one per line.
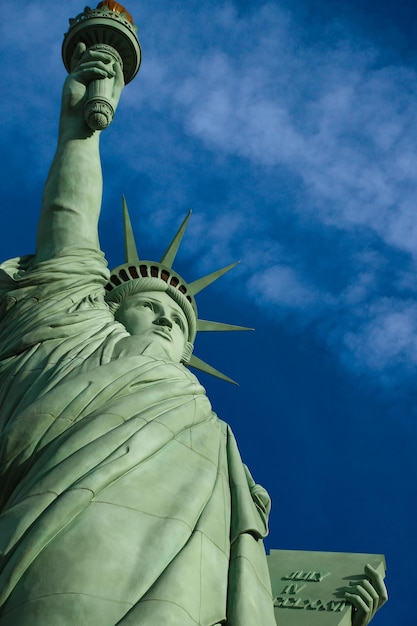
(156,296)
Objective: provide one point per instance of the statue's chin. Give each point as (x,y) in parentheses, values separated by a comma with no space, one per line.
(134,345)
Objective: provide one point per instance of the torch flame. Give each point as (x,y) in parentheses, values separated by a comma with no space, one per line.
(115,6)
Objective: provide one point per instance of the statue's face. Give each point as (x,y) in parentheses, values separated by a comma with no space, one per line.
(156,317)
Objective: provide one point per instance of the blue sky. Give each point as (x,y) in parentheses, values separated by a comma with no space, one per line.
(290,129)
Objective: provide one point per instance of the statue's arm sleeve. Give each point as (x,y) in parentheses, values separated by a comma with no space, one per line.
(52,299)
(72,198)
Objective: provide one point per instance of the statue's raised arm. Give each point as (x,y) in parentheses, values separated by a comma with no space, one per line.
(73,191)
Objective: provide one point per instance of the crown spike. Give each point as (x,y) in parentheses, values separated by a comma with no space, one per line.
(205,281)
(131,253)
(208,326)
(198,364)
(171,252)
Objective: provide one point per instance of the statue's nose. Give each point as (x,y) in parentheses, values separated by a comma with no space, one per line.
(163,320)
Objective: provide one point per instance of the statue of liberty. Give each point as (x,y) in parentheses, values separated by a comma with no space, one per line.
(123,497)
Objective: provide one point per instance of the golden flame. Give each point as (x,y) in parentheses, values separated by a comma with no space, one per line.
(115,6)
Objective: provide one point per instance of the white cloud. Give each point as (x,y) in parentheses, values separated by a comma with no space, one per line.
(387,338)
(336,119)
(281,291)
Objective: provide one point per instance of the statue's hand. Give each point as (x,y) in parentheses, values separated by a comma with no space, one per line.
(87,66)
(367,597)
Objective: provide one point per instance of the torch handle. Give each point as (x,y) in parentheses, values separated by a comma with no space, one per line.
(98,110)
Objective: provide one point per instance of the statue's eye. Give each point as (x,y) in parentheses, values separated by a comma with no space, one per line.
(178,320)
(147,305)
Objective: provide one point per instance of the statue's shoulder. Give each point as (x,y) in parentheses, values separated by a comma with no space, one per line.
(12,269)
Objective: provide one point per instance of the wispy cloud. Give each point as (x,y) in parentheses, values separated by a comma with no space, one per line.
(387,336)
(339,118)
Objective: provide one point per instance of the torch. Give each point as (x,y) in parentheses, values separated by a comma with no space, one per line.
(108,28)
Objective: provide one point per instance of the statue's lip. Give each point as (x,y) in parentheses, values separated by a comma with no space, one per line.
(164,333)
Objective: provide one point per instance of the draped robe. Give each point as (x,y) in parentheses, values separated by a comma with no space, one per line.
(123,498)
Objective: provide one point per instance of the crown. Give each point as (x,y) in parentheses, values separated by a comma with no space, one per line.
(136,275)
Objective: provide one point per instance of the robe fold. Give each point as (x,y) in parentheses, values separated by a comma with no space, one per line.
(123,497)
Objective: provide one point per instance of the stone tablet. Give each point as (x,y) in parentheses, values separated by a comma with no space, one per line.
(308,587)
